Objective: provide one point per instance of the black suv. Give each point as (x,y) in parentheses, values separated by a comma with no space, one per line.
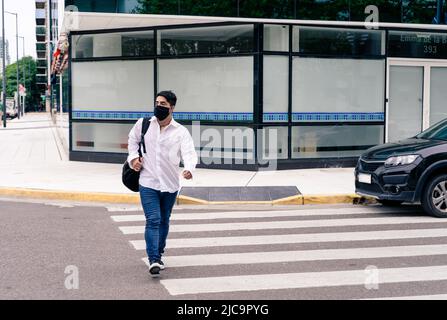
(412,170)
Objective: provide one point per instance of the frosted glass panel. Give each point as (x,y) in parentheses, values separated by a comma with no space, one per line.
(405,102)
(334,141)
(438,94)
(338,85)
(276,88)
(113,85)
(273,142)
(276,38)
(221,144)
(209,84)
(107,45)
(100,137)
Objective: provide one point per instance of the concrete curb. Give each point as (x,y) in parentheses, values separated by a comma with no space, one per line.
(70,195)
(181,200)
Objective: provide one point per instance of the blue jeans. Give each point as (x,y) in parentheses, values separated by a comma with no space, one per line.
(157,207)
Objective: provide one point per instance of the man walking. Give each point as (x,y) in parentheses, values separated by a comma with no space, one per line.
(166,141)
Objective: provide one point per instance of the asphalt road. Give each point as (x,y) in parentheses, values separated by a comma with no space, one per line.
(61,250)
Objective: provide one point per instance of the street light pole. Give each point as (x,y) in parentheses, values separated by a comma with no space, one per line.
(24,74)
(4,62)
(3,67)
(17,62)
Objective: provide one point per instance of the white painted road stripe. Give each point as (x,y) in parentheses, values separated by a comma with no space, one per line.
(262,214)
(303,255)
(303,280)
(288,224)
(297,238)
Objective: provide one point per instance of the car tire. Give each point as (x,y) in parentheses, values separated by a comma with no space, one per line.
(390,203)
(434,197)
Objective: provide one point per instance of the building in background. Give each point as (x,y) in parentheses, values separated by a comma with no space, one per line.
(46,37)
(41,47)
(322,91)
(8,57)
(113,6)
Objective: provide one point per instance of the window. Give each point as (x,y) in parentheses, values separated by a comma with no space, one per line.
(219,89)
(207,40)
(276,38)
(334,141)
(223,144)
(338,89)
(276,89)
(417,44)
(340,42)
(112,89)
(438,94)
(100,137)
(127,44)
(273,143)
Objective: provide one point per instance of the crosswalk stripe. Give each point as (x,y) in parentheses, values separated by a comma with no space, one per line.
(364,277)
(259,214)
(213,283)
(297,238)
(303,255)
(287,224)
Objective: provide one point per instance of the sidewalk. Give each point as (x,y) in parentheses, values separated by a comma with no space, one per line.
(33,164)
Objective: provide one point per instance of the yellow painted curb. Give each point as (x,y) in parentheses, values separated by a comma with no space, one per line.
(181,200)
(331,199)
(70,195)
(297,200)
(189,200)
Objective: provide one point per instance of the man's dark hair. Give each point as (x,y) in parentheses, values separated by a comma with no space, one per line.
(169,96)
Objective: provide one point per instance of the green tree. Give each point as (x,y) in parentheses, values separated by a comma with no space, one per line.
(189,7)
(407,11)
(29,64)
(419,11)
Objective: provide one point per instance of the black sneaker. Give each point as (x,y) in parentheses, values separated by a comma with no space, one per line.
(154,269)
(162,265)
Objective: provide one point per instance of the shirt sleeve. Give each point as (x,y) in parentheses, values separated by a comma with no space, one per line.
(188,152)
(134,141)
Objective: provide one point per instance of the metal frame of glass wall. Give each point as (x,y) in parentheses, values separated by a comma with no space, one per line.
(293,123)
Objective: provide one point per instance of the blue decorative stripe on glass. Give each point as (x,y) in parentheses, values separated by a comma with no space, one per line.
(237,116)
(213,116)
(121,115)
(338,116)
(275,116)
(113,115)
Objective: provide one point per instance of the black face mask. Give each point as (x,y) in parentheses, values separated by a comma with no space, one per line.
(161,112)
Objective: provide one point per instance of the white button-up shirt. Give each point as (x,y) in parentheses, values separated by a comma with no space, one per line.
(163,151)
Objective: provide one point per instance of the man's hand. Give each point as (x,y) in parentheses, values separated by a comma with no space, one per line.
(136,164)
(187,174)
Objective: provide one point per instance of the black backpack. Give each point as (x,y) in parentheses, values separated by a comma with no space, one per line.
(130,177)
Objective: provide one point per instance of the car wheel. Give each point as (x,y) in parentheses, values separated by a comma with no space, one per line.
(434,198)
(390,203)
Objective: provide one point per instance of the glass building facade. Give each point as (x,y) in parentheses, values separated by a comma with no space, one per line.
(302,95)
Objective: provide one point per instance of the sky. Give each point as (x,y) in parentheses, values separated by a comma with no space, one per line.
(26,10)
